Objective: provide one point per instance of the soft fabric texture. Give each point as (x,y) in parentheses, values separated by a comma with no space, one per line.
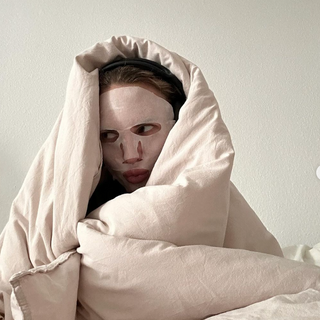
(168,236)
(302,306)
(303,253)
(47,292)
(149,279)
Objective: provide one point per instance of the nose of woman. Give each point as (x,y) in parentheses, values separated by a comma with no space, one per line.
(131,151)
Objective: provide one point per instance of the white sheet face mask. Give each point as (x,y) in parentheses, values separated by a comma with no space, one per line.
(135,123)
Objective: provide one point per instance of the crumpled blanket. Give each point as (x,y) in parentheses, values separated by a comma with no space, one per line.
(151,279)
(186,246)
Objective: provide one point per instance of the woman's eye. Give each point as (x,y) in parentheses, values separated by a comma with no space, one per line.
(146,129)
(109,136)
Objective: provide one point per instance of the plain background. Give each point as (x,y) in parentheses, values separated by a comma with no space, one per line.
(261,59)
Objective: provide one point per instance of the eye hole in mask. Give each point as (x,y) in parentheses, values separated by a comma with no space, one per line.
(144,129)
(109,136)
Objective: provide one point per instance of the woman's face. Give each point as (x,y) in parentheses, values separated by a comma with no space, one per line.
(135,121)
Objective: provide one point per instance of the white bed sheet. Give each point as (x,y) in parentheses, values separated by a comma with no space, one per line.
(301,306)
(303,253)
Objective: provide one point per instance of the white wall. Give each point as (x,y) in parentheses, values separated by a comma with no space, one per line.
(261,58)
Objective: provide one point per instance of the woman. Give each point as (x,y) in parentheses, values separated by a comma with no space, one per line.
(139,104)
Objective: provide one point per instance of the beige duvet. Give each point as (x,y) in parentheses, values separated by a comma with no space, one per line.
(186,246)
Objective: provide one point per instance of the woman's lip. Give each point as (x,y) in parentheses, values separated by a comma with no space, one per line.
(136,175)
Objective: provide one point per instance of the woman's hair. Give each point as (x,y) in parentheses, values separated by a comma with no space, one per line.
(132,75)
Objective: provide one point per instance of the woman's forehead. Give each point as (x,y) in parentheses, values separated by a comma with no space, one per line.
(125,106)
(143,85)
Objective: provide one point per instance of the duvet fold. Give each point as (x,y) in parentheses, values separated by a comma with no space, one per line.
(127,278)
